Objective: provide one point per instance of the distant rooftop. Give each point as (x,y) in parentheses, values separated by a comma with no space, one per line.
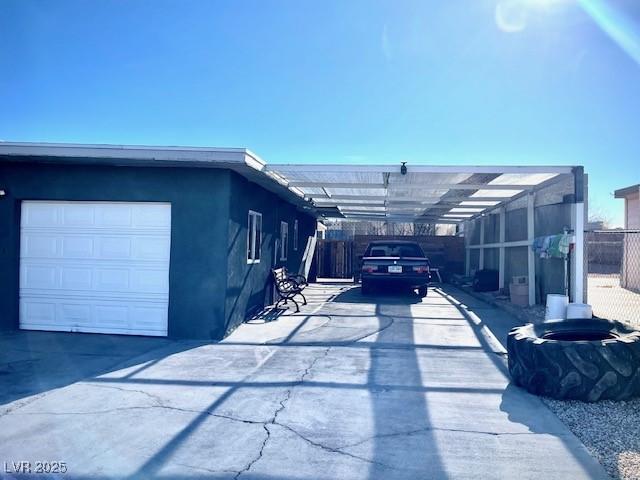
(625,192)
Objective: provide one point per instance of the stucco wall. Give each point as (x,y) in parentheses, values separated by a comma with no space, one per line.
(249,285)
(199,217)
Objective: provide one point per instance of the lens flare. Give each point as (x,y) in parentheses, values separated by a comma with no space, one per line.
(619,27)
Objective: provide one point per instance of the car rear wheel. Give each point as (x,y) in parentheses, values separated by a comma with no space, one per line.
(422,291)
(366,288)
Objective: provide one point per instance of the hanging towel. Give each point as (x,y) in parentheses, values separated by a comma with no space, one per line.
(545,246)
(564,245)
(559,246)
(537,245)
(554,247)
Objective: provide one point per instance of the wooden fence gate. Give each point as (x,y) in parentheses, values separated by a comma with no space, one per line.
(334,259)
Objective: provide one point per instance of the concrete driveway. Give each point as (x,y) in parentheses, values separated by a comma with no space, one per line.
(353,387)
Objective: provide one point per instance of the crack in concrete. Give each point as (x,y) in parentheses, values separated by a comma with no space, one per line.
(201,469)
(18,404)
(334,449)
(150,407)
(274,418)
(153,397)
(432,429)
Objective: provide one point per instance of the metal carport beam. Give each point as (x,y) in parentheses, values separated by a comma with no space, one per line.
(402,186)
(392,203)
(380,218)
(506,200)
(283,168)
(363,197)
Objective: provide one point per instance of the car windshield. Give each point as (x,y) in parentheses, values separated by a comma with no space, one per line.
(394,250)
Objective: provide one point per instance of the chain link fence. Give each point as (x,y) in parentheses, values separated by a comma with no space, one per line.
(613,259)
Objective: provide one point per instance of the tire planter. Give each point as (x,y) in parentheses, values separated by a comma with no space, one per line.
(584,359)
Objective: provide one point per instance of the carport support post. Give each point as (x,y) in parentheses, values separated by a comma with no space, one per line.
(481,252)
(467,262)
(502,250)
(577,220)
(531,259)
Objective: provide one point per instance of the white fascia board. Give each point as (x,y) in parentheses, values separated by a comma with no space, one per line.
(465,169)
(127,152)
(240,160)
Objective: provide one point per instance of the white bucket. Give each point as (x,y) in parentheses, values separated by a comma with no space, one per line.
(579,310)
(556,307)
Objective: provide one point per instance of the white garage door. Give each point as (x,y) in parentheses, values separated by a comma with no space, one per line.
(98,267)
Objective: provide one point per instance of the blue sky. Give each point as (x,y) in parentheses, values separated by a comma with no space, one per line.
(455,81)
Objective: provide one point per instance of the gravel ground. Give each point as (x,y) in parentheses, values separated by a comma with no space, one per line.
(610,430)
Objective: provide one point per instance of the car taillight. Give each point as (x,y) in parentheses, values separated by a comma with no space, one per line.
(421,268)
(369,268)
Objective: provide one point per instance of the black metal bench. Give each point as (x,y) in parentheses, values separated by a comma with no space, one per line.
(288,286)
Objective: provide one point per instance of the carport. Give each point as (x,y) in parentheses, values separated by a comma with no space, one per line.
(499,210)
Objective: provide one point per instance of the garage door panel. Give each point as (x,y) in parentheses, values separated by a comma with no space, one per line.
(147,317)
(103,317)
(88,267)
(40,214)
(151,248)
(78,246)
(149,281)
(93,281)
(114,216)
(80,215)
(38,276)
(112,316)
(74,278)
(75,313)
(37,312)
(39,246)
(150,216)
(114,248)
(112,280)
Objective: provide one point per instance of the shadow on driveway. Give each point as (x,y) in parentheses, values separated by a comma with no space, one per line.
(379,387)
(35,362)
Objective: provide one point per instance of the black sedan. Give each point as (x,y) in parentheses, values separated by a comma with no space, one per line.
(397,263)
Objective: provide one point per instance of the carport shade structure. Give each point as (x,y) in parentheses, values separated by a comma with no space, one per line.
(433,194)
(438,195)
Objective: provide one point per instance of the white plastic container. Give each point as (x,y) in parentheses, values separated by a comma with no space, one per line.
(519,294)
(556,307)
(579,310)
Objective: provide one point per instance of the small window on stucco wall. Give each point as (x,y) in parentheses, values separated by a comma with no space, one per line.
(295,235)
(284,240)
(254,237)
